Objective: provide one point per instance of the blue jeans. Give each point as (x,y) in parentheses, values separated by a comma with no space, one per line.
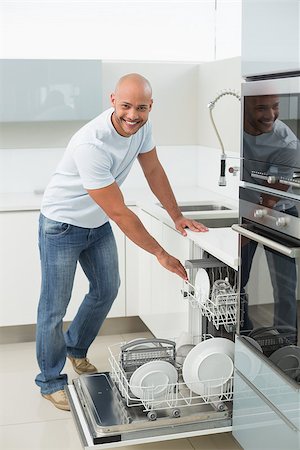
(61,246)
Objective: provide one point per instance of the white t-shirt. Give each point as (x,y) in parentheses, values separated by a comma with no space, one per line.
(95,157)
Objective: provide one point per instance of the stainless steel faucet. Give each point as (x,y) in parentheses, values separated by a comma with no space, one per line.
(211,105)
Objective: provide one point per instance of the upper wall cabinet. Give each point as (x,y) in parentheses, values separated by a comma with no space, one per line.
(270,37)
(39,90)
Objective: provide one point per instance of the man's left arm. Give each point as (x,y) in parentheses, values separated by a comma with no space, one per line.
(161,188)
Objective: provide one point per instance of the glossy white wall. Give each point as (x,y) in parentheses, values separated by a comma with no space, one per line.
(214,77)
(228,28)
(134,30)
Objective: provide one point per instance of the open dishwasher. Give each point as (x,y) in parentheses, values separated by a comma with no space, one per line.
(110,410)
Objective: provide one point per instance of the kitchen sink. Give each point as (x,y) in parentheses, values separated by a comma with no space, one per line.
(223,222)
(189,207)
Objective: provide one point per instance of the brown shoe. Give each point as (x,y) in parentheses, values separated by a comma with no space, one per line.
(82,365)
(59,399)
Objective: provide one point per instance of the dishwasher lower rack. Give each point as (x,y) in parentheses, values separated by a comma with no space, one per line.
(219,309)
(176,396)
(107,414)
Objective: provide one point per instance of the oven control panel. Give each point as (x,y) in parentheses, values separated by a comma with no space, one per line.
(274,211)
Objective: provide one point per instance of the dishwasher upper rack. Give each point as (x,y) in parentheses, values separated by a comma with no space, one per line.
(221,309)
(177,395)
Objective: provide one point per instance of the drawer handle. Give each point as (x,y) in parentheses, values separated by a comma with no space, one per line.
(291,252)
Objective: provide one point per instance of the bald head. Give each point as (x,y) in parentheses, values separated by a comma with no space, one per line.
(134,81)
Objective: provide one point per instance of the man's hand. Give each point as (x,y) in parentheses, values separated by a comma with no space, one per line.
(182,222)
(172,264)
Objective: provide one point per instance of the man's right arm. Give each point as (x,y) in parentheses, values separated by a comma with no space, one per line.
(111,200)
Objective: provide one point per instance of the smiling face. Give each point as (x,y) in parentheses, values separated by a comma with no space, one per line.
(260,114)
(132,103)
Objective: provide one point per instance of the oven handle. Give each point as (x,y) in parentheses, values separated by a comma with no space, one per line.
(291,252)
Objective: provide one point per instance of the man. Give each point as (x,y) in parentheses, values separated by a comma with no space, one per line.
(81,197)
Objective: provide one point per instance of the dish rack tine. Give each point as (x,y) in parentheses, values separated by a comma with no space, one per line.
(136,342)
(132,356)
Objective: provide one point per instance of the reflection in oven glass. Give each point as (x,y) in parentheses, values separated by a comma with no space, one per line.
(271,146)
(270,301)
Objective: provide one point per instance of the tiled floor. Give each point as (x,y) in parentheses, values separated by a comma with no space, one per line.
(27,421)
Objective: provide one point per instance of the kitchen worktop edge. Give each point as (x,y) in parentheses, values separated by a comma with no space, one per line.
(219,242)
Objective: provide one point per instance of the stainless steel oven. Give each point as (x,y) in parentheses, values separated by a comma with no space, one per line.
(269,225)
(269,277)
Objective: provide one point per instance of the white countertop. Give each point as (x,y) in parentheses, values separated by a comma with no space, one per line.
(20,201)
(220,242)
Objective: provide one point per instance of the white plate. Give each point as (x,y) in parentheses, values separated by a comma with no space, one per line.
(208,366)
(202,285)
(152,380)
(182,352)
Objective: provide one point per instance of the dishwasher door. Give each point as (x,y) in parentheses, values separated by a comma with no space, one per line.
(108,412)
(104,420)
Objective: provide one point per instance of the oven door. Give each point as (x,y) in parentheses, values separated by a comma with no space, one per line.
(271,133)
(270,294)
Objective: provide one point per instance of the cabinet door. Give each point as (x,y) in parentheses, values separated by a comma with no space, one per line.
(19,267)
(270,36)
(266,379)
(132,275)
(145,266)
(161,306)
(256,424)
(174,306)
(20,273)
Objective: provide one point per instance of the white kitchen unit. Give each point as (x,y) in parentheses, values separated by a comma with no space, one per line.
(20,271)
(131,276)
(160,297)
(270,37)
(266,403)
(43,90)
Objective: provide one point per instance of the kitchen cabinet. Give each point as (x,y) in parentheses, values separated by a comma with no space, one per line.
(262,375)
(257,424)
(131,275)
(45,90)
(265,404)
(160,291)
(270,37)
(20,271)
